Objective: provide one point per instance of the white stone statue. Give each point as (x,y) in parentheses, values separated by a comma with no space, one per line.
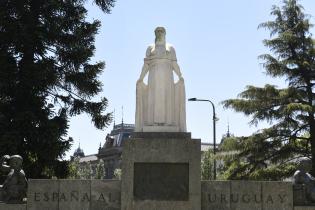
(160,105)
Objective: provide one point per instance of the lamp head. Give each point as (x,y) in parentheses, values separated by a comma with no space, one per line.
(192,99)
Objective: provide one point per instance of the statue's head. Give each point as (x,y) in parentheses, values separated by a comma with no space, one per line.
(305,164)
(160,33)
(16,162)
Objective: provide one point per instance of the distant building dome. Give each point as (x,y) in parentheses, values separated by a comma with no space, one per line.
(78,152)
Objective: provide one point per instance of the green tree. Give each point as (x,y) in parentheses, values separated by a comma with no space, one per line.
(86,170)
(117,173)
(228,156)
(100,170)
(267,154)
(79,170)
(46,76)
(225,157)
(207,165)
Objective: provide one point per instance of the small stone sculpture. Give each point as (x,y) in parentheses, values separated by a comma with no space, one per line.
(15,186)
(304,183)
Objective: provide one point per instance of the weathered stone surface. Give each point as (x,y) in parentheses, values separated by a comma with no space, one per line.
(105,194)
(277,195)
(215,195)
(161,150)
(304,207)
(43,194)
(299,195)
(161,135)
(1,193)
(161,181)
(246,195)
(74,194)
(12,206)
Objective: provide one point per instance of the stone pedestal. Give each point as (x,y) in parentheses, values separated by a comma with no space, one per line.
(4,206)
(161,171)
(1,193)
(304,207)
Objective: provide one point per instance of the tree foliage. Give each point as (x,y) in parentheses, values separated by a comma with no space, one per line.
(86,170)
(225,156)
(269,153)
(207,165)
(46,76)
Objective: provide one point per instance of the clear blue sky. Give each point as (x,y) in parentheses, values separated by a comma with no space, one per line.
(217,44)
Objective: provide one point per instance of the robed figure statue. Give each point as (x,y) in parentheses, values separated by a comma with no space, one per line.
(160,104)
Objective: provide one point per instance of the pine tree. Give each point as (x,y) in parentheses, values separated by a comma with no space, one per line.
(270,153)
(207,165)
(46,76)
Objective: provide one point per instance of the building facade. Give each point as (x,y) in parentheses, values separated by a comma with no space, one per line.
(111,151)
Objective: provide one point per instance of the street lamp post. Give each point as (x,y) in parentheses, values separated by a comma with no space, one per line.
(214,135)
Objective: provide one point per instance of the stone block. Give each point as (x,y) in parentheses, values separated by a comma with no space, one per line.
(246,195)
(161,181)
(12,206)
(304,207)
(299,195)
(169,129)
(1,193)
(161,135)
(215,195)
(105,194)
(277,195)
(43,194)
(74,194)
(161,148)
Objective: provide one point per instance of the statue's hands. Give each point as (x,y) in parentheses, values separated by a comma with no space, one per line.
(139,81)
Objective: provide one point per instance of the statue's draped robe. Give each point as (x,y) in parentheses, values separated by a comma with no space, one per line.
(161,103)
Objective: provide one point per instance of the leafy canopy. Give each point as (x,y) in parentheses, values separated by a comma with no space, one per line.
(270,153)
(47,76)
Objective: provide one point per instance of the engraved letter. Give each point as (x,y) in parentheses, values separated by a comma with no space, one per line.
(246,198)
(63,197)
(101,198)
(234,200)
(37,197)
(269,199)
(85,197)
(223,198)
(256,198)
(212,200)
(46,196)
(55,196)
(75,195)
(282,198)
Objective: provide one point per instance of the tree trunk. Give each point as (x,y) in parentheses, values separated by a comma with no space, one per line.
(312,139)
(311,121)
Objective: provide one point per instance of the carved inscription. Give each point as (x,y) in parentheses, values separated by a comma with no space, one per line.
(73,196)
(161,181)
(245,198)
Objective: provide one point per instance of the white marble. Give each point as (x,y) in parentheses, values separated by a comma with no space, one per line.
(160,104)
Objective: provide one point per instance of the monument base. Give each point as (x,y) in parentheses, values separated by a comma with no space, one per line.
(161,171)
(4,206)
(304,207)
(156,128)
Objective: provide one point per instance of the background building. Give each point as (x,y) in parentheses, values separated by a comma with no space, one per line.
(110,152)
